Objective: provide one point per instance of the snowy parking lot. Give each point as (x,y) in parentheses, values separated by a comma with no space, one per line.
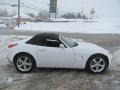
(97,26)
(59,79)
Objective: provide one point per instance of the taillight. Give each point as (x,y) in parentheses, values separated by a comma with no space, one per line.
(12,45)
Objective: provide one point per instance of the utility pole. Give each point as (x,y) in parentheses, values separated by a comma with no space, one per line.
(92,12)
(82,12)
(56,14)
(18,13)
(49,12)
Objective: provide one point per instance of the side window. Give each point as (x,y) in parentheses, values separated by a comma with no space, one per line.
(51,43)
(35,41)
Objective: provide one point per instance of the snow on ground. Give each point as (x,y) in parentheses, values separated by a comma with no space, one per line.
(98,26)
(2,25)
(7,39)
(116,60)
(63,19)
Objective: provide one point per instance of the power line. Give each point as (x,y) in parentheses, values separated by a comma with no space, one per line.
(9,0)
(30,7)
(40,2)
(7,3)
(4,3)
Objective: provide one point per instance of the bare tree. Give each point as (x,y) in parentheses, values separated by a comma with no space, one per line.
(31,15)
(43,14)
(4,12)
(69,15)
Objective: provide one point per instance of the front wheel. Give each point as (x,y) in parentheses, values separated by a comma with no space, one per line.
(97,64)
(24,63)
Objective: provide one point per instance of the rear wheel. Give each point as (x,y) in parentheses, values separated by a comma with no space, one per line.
(97,64)
(24,63)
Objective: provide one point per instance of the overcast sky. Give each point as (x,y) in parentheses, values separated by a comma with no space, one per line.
(104,8)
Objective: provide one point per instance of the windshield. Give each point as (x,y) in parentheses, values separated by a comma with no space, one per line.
(69,42)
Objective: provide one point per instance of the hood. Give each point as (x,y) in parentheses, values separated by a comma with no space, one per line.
(89,48)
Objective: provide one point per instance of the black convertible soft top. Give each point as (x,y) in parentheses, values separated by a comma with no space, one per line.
(48,35)
(39,38)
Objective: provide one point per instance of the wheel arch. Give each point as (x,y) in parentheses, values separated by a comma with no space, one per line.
(25,54)
(96,55)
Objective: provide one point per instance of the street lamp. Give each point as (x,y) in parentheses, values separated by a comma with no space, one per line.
(49,11)
(18,19)
(18,13)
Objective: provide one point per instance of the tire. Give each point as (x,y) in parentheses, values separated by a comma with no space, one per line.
(97,64)
(24,63)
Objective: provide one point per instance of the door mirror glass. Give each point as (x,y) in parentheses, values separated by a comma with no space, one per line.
(62,46)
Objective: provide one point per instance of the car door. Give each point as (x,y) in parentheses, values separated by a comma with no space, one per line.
(51,55)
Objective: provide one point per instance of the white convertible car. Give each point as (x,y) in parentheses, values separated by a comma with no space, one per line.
(50,50)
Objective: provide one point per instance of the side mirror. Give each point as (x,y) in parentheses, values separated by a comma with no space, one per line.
(62,46)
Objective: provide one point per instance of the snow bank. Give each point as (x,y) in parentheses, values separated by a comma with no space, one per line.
(69,20)
(99,26)
(2,25)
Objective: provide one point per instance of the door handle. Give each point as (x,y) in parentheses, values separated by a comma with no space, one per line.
(42,50)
